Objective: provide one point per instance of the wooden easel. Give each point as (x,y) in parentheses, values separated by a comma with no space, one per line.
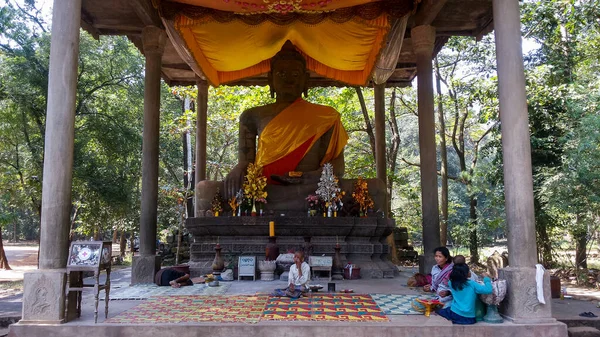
(94,256)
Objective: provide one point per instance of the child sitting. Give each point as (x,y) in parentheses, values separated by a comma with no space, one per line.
(461,259)
(464,292)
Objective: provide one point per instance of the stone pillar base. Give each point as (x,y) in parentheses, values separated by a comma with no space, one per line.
(44,296)
(521,304)
(426,262)
(144,268)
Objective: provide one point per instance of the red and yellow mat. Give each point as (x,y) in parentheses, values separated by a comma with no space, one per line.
(191,309)
(252,309)
(325,307)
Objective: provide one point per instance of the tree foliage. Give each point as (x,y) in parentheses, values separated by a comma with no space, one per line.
(563,100)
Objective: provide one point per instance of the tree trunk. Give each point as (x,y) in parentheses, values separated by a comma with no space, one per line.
(473,248)
(543,239)
(115,236)
(544,245)
(369,128)
(187,160)
(444,160)
(392,159)
(15,233)
(179,237)
(3,260)
(131,244)
(580,250)
(395,146)
(580,236)
(122,244)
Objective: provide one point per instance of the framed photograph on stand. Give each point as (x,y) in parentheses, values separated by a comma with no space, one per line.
(87,256)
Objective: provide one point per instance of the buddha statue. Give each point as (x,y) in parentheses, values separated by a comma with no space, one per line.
(290,139)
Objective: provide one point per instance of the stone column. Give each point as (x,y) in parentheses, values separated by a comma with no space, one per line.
(201,112)
(147,264)
(380,161)
(423,38)
(44,289)
(521,303)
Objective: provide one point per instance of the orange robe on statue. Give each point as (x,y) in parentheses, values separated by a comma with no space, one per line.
(292,133)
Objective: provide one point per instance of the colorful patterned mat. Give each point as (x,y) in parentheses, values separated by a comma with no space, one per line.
(398,304)
(145,291)
(326,307)
(192,309)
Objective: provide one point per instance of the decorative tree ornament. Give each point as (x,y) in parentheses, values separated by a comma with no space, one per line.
(217,204)
(328,189)
(239,197)
(362,197)
(254,185)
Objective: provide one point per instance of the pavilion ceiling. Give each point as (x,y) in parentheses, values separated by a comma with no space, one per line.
(271,6)
(128,17)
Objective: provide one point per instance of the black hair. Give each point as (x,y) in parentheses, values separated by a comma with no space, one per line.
(444,252)
(459,276)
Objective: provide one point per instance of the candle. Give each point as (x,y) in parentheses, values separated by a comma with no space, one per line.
(336,239)
(271,228)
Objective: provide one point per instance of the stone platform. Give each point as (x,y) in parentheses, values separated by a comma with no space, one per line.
(362,240)
(398,325)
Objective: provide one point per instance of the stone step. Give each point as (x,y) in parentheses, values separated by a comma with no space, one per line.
(583,331)
(413,326)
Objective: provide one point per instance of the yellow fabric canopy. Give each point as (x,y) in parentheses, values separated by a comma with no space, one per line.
(233,50)
(273,6)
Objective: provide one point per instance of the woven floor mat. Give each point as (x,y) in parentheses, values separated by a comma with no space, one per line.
(145,291)
(195,308)
(326,307)
(399,304)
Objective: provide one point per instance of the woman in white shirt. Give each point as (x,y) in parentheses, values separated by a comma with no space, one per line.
(298,278)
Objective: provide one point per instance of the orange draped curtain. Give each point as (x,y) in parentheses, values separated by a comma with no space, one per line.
(234,50)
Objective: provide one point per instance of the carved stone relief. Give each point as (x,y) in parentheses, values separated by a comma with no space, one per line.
(42,301)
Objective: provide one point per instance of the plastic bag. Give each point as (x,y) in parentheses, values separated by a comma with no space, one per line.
(497,295)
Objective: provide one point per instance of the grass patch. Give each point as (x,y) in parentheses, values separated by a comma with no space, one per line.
(8,285)
(124,263)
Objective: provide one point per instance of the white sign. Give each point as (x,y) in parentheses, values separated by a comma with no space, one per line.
(247,266)
(320,261)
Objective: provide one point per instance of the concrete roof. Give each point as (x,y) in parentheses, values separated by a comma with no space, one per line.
(129,17)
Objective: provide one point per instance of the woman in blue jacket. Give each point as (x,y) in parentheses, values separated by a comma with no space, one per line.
(464,291)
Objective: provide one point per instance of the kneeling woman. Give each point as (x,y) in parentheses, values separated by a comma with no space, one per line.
(298,278)
(440,274)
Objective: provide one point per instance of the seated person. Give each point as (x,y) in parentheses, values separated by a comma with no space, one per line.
(440,274)
(172,277)
(461,259)
(298,278)
(479,306)
(464,291)
(290,140)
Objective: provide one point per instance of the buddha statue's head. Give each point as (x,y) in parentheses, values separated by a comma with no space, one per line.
(288,77)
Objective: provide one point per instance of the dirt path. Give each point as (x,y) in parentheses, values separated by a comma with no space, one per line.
(21,257)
